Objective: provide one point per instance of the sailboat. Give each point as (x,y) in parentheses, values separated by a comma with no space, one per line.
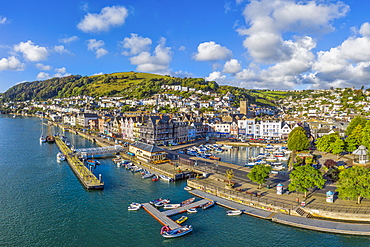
(42,137)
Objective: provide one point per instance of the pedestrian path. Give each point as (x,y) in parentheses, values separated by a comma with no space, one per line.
(232,205)
(323,225)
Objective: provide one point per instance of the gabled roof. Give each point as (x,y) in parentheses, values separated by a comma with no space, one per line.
(147,147)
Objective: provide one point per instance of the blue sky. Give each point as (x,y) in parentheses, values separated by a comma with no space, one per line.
(276,44)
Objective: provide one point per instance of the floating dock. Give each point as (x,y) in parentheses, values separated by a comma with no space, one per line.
(163,217)
(183,209)
(86,177)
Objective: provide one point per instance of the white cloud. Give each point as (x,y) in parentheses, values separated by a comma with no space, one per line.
(157,62)
(232,66)
(32,52)
(61,49)
(108,17)
(135,44)
(365,29)
(43,76)
(62,70)
(99,73)
(210,51)
(11,63)
(41,66)
(215,76)
(3,20)
(96,46)
(268,20)
(69,39)
(182,48)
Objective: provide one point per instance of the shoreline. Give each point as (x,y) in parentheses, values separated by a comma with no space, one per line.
(288,219)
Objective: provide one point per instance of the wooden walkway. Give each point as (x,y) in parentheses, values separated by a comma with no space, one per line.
(160,216)
(186,207)
(86,177)
(232,205)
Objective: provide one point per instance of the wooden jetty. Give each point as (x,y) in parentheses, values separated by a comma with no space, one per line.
(232,205)
(183,209)
(160,216)
(86,177)
(163,217)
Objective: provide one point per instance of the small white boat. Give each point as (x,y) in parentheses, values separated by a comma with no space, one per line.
(61,157)
(192,210)
(166,178)
(187,188)
(134,206)
(42,139)
(227,146)
(161,203)
(234,212)
(178,232)
(148,175)
(171,206)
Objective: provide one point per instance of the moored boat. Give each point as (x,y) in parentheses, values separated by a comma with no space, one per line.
(155,178)
(171,206)
(182,219)
(166,178)
(234,212)
(92,162)
(192,210)
(208,204)
(134,206)
(212,157)
(61,156)
(188,201)
(187,188)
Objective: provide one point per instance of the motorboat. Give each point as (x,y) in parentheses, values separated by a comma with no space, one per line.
(42,139)
(134,206)
(166,178)
(188,201)
(187,188)
(155,178)
(212,157)
(61,157)
(234,212)
(178,232)
(148,175)
(192,210)
(92,162)
(155,201)
(208,204)
(171,206)
(250,164)
(181,220)
(161,203)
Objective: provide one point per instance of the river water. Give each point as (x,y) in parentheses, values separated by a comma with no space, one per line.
(42,203)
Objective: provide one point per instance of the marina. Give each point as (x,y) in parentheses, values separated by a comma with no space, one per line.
(66,208)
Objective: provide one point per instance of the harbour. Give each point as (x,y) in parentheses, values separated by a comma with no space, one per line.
(49,207)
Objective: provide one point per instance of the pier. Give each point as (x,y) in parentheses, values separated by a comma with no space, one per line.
(96,152)
(163,217)
(86,177)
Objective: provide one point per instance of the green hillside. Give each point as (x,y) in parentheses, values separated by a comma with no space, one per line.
(128,85)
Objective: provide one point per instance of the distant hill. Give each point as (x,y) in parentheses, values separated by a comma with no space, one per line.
(128,85)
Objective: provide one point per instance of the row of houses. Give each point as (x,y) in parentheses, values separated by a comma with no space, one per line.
(169,129)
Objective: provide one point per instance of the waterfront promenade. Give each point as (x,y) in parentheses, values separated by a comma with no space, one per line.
(266,199)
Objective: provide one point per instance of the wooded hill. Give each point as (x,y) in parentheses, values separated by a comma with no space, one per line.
(128,85)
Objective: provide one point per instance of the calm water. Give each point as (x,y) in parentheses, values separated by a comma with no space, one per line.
(43,204)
